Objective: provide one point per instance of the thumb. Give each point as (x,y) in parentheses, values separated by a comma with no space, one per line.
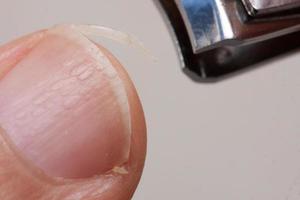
(72,124)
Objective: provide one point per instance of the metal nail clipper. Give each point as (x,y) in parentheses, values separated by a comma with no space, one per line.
(217,38)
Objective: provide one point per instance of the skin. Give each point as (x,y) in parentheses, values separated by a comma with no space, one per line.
(20,179)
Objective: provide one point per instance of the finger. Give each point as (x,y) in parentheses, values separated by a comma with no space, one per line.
(69,109)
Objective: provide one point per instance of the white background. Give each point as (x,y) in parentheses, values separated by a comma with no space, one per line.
(235,140)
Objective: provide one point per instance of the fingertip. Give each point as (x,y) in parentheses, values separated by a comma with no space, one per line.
(117,185)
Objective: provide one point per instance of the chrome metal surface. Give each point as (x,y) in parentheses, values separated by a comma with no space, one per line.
(207,22)
(218,37)
(258,7)
(213,23)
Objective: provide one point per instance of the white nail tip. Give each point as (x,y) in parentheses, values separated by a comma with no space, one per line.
(115,35)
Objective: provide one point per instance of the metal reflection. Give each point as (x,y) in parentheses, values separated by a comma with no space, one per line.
(218,37)
(264,7)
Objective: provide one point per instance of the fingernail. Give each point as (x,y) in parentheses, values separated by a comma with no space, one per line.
(65,108)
